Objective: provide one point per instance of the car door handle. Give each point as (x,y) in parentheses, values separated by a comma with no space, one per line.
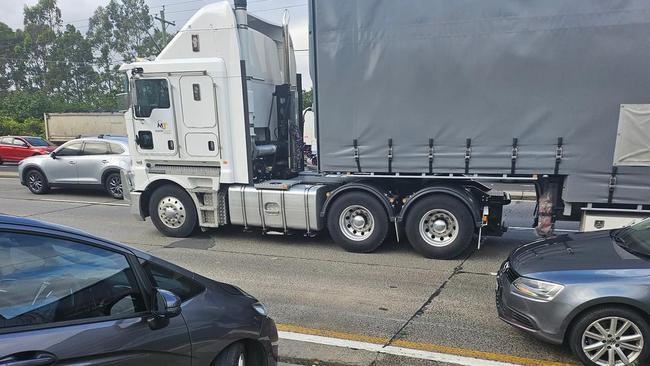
(70,162)
(39,359)
(104,161)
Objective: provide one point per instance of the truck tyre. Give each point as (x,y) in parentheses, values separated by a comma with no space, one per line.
(357,222)
(173,212)
(113,185)
(36,182)
(439,227)
(616,330)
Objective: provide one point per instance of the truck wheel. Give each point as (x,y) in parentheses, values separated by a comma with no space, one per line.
(439,227)
(36,182)
(610,335)
(113,185)
(173,212)
(357,222)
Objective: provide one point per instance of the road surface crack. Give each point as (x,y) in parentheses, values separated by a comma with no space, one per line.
(457,270)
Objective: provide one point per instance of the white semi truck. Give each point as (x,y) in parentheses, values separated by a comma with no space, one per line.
(413,106)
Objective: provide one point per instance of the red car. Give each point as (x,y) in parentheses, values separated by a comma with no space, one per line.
(17,148)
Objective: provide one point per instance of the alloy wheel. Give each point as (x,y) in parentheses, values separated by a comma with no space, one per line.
(612,341)
(115,186)
(35,181)
(356,223)
(172,212)
(439,227)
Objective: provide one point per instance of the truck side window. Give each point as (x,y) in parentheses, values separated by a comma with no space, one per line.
(151,94)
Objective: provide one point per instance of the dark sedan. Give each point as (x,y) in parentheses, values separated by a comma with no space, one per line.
(67,297)
(590,291)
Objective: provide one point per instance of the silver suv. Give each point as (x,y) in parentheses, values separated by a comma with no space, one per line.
(79,163)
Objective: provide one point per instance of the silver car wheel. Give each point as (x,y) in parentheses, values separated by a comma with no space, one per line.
(241,361)
(439,227)
(612,341)
(356,223)
(115,186)
(171,212)
(35,181)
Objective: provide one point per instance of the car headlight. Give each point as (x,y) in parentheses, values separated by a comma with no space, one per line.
(536,289)
(260,309)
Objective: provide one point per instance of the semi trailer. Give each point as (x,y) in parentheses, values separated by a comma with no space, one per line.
(415,104)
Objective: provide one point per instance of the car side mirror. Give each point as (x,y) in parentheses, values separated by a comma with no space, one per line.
(53,155)
(166,304)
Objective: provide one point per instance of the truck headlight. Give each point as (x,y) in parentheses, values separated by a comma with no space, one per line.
(536,289)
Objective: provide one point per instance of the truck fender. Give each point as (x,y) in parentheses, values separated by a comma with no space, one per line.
(375,191)
(159,182)
(459,194)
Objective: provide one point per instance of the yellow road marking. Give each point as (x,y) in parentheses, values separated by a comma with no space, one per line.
(422,346)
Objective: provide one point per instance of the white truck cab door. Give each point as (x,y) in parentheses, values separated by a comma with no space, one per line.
(153,117)
(199,128)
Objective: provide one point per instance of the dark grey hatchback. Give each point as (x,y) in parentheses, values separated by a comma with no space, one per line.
(67,297)
(590,291)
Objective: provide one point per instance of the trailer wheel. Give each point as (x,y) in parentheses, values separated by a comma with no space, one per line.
(439,227)
(357,222)
(173,212)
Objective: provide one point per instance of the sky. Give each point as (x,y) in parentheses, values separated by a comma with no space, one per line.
(77,12)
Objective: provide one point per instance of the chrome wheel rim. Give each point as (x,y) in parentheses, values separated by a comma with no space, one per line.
(115,186)
(35,182)
(356,223)
(171,212)
(612,341)
(439,227)
(241,361)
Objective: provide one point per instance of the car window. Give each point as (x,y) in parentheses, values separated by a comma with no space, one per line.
(116,149)
(47,280)
(166,279)
(19,142)
(72,149)
(7,141)
(95,148)
(150,94)
(37,141)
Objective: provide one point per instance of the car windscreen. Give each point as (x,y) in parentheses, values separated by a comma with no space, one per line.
(635,238)
(36,141)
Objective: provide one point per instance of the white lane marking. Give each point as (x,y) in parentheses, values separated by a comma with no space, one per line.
(530,228)
(70,201)
(391,350)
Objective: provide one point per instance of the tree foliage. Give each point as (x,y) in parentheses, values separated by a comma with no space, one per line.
(50,67)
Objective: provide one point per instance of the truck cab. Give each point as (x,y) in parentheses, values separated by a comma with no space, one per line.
(205,112)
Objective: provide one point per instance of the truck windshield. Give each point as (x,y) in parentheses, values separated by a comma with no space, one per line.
(150,94)
(635,238)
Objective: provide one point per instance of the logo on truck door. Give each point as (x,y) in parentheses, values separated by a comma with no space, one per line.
(162,125)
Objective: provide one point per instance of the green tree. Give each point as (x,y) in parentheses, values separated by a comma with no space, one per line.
(73,77)
(42,22)
(121,32)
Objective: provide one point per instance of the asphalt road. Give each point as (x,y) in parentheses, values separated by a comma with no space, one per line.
(312,286)
(8,168)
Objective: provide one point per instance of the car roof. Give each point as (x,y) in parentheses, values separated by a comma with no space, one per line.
(42,225)
(23,137)
(124,141)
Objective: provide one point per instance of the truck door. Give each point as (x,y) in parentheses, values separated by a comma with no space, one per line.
(153,117)
(199,131)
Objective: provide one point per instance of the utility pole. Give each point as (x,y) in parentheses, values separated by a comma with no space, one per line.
(163,25)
